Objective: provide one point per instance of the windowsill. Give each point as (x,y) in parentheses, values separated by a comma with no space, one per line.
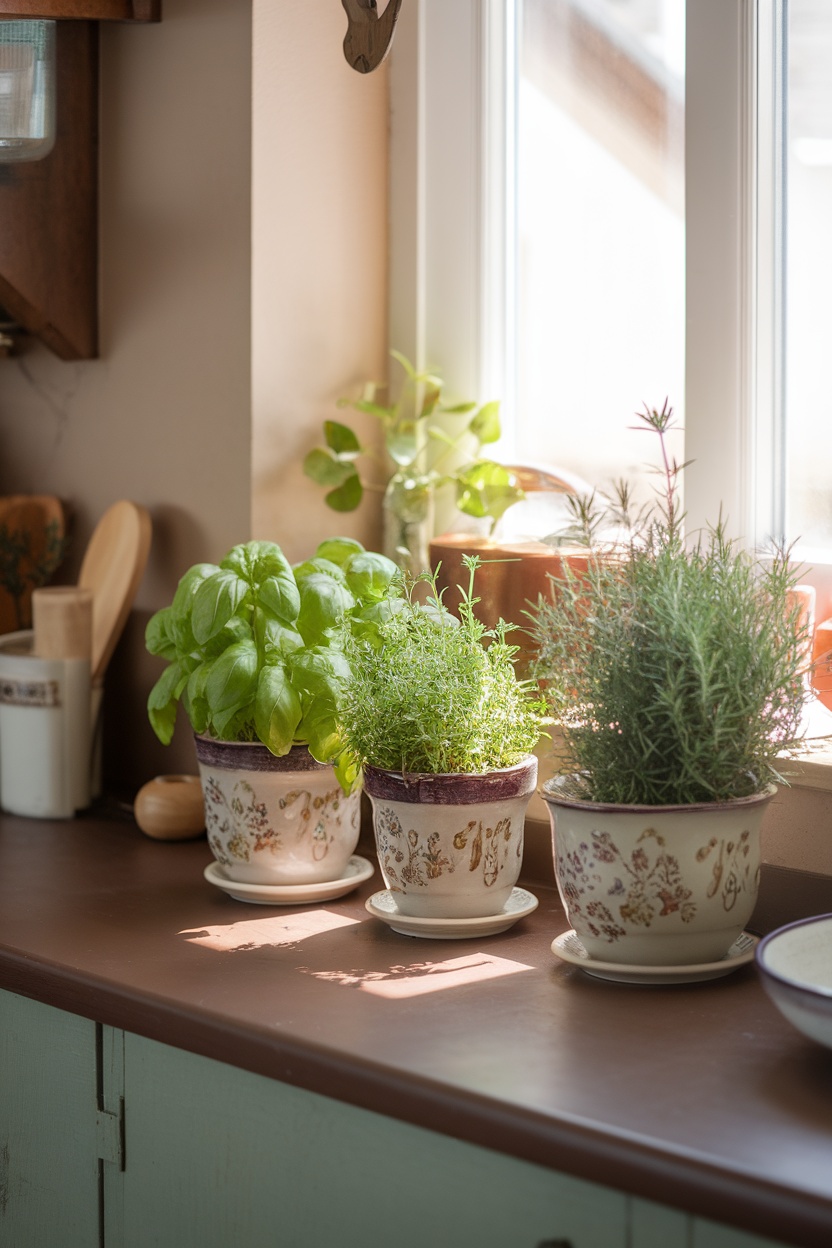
(812,768)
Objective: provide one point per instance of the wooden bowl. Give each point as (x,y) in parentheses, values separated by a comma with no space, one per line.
(171,808)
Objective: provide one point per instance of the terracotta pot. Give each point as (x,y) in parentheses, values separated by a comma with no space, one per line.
(275,820)
(656,885)
(450,846)
(509,581)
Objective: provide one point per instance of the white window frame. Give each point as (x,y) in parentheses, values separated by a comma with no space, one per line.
(450,218)
(448,67)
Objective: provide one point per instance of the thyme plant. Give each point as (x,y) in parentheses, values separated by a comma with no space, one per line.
(430,693)
(677,671)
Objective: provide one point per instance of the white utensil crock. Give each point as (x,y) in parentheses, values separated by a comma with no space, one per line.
(44,731)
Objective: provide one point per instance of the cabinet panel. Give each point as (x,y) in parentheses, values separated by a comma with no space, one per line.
(655,1226)
(217,1156)
(48,1143)
(713,1235)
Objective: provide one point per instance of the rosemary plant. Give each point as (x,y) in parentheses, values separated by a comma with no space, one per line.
(677,672)
(430,693)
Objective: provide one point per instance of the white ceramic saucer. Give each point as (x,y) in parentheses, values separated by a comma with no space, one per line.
(358,869)
(569,948)
(383,906)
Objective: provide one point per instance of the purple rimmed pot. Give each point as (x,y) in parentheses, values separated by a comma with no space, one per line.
(450,846)
(275,820)
(656,885)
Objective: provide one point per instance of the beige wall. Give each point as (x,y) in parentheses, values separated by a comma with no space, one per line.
(319,259)
(166,415)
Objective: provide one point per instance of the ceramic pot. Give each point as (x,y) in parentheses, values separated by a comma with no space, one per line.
(275,820)
(656,885)
(511,578)
(450,846)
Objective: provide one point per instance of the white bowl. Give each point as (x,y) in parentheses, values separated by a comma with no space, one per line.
(795,963)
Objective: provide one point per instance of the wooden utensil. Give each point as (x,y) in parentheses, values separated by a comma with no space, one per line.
(112,568)
(62,622)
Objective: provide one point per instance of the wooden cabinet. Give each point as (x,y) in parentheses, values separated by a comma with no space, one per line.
(109,1138)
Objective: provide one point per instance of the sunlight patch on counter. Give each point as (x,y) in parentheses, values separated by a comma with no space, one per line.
(417,978)
(264,933)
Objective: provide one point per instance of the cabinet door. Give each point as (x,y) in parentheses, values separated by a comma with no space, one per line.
(49,1171)
(219,1157)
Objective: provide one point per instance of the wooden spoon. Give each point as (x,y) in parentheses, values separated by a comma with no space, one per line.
(112,568)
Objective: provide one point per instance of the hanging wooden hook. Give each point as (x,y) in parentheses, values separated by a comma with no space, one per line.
(369,36)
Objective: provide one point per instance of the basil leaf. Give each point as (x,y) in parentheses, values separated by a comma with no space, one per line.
(215,601)
(199,712)
(187,587)
(320,728)
(278,594)
(318,672)
(237,629)
(347,770)
(179,625)
(156,637)
(232,680)
(318,564)
(323,604)
(268,561)
(366,623)
(162,700)
(339,550)
(236,724)
(370,575)
(240,559)
(277,710)
(275,638)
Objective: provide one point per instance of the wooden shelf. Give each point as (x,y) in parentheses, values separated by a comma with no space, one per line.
(49,212)
(85,10)
(49,207)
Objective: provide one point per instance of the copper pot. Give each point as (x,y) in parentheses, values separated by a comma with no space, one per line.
(509,581)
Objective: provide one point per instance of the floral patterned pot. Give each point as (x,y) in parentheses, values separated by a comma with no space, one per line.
(275,820)
(450,846)
(656,885)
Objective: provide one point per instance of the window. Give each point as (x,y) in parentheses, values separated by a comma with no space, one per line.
(748,321)
(600,242)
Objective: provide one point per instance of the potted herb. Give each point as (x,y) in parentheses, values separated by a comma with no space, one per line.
(254,655)
(444,730)
(676,673)
(425,458)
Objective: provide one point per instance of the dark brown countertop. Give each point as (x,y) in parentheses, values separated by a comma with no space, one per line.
(699,1096)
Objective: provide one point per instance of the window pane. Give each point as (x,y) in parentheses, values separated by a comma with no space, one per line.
(809,272)
(600,221)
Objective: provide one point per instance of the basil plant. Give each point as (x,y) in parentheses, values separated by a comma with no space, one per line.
(254,646)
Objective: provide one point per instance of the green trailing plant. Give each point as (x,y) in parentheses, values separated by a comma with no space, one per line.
(432,693)
(254,646)
(676,671)
(424,455)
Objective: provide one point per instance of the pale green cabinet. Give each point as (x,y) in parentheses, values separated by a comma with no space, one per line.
(49,1168)
(110,1139)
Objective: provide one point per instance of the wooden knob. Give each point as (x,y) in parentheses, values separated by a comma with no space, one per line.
(171,808)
